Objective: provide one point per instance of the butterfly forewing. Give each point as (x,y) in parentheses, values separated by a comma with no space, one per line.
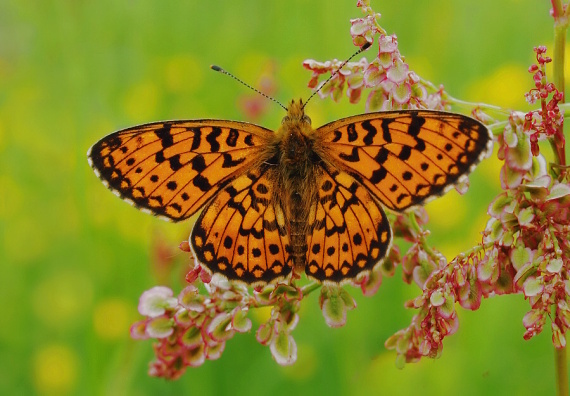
(242,233)
(406,157)
(350,232)
(173,168)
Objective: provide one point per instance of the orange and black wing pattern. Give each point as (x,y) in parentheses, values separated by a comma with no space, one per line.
(171,169)
(350,231)
(406,157)
(242,233)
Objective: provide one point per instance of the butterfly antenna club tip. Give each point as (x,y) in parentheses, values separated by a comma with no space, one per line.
(219,69)
(362,49)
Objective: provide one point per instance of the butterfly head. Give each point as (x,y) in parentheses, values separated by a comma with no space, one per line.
(296,114)
(296,137)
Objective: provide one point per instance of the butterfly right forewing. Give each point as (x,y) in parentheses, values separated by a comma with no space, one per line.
(406,157)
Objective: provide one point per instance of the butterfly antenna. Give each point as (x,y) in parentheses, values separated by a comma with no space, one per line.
(219,69)
(362,49)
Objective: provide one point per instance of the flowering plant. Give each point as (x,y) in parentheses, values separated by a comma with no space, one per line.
(524,249)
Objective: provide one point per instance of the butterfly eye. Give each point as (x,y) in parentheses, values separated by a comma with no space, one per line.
(306,119)
(285,119)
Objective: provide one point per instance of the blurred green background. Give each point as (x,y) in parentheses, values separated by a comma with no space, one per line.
(74,259)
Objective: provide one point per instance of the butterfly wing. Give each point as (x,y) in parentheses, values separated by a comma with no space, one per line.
(405,157)
(242,233)
(173,168)
(350,231)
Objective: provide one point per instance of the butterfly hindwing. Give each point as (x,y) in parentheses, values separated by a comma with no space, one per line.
(173,168)
(406,157)
(242,233)
(350,231)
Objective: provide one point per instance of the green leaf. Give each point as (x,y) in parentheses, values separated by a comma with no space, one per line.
(526,216)
(558,190)
(533,286)
(160,327)
(240,321)
(218,327)
(520,256)
(436,299)
(333,306)
(192,337)
(499,203)
(284,349)
(264,333)
(554,266)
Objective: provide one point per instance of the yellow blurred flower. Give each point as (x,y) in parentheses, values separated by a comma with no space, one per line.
(141,101)
(183,73)
(505,87)
(55,369)
(112,319)
(62,300)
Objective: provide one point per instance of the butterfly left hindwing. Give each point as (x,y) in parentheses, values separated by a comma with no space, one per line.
(242,233)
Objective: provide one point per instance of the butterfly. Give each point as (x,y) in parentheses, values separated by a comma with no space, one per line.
(297,199)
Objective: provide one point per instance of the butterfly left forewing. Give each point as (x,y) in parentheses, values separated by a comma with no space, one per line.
(349,230)
(171,169)
(405,157)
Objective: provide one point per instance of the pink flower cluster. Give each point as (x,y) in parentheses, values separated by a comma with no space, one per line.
(525,247)
(392,85)
(190,328)
(547,121)
(530,230)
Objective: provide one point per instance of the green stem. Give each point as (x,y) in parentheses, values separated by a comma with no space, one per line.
(307,289)
(456,101)
(561,371)
(558,146)
(423,242)
(560,28)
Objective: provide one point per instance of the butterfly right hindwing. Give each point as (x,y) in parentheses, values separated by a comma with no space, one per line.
(350,231)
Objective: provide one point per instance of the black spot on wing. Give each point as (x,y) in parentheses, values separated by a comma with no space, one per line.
(165,136)
(370,132)
(175,162)
(352,157)
(386,134)
(198,163)
(352,135)
(229,162)
(197,139)
(416,125)
(212,139)
(232,138)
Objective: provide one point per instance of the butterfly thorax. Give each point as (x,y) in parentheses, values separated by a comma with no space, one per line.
(296,169)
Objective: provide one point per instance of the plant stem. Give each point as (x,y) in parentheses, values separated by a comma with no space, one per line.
(560,28)
(561,371)
(416,227)
(310,288)
(558,146)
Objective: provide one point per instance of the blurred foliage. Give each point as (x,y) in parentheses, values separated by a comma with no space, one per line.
(75,259)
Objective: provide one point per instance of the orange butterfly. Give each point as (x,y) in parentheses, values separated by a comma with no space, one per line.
(296,199)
